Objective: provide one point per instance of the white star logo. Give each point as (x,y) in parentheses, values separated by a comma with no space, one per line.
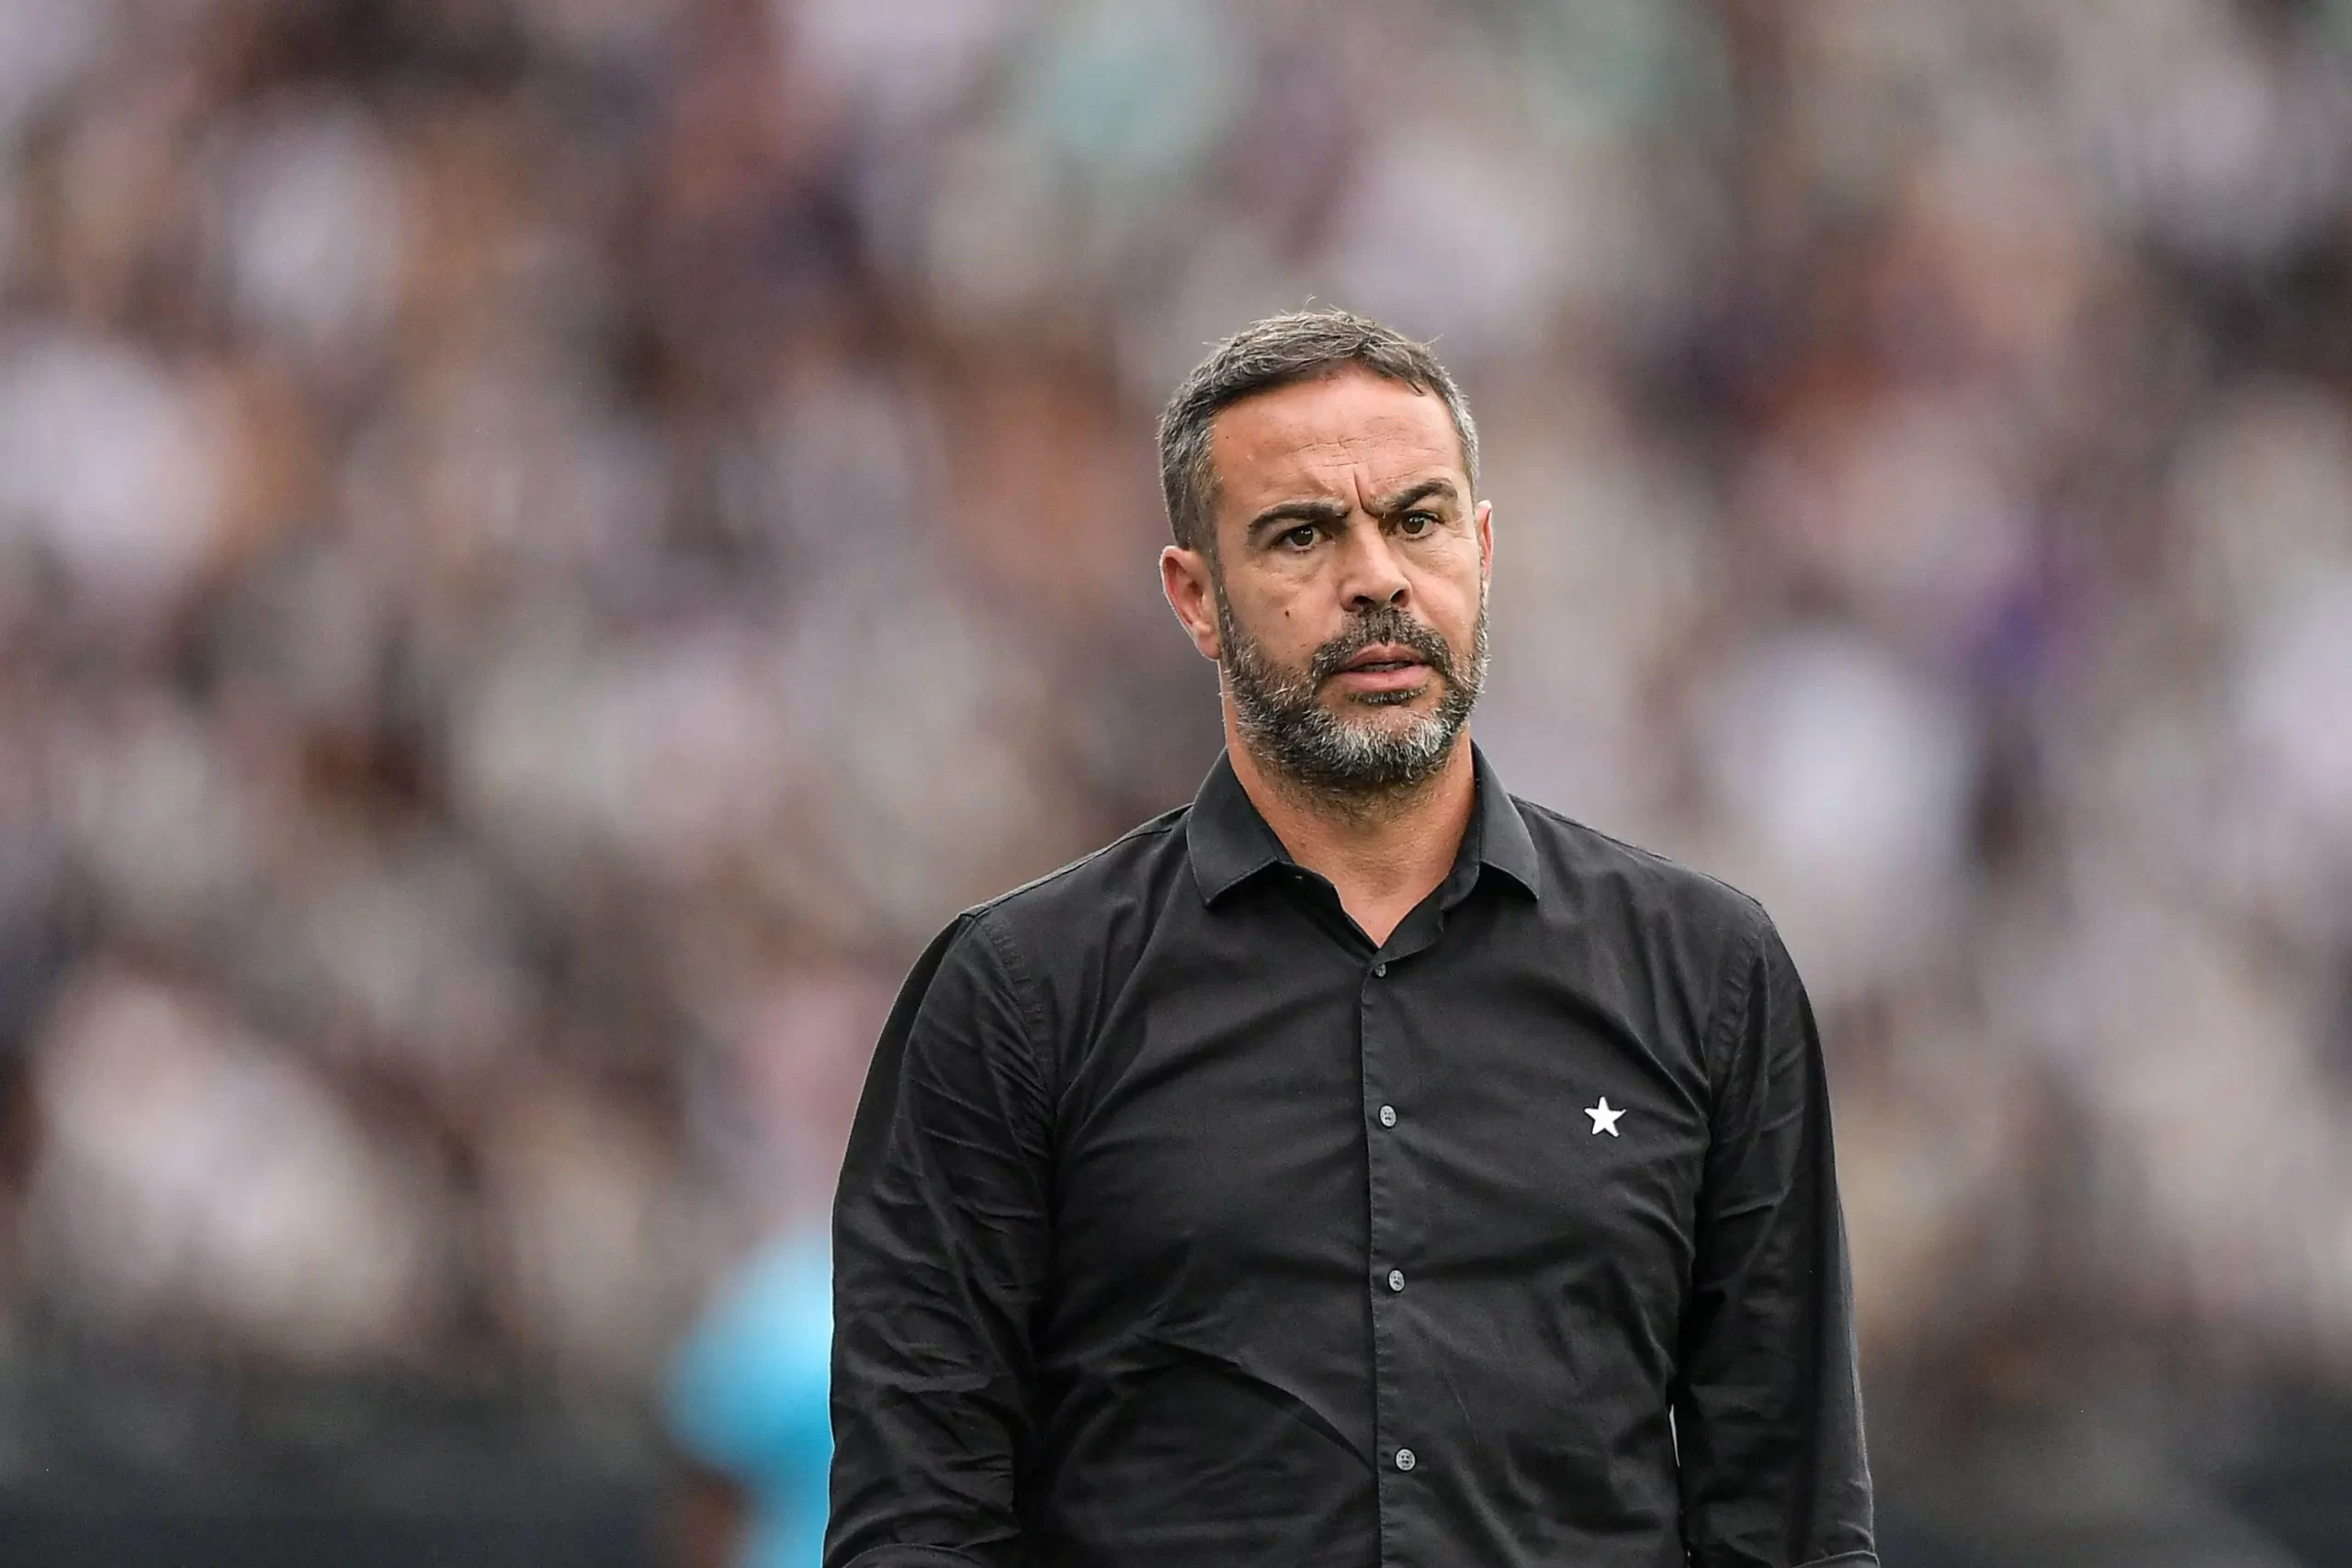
(1603,1119)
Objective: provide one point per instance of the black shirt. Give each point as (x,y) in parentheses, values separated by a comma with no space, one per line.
(1181,1224)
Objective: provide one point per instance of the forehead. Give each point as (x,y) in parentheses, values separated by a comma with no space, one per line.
(1332,434)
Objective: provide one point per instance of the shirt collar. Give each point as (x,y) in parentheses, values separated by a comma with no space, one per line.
(1229,842)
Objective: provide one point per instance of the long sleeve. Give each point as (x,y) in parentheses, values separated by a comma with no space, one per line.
(940,1246)
(1768,1408)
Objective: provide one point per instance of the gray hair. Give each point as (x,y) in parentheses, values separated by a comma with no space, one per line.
(1275,351)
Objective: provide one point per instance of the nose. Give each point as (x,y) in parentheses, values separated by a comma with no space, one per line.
(1371,576)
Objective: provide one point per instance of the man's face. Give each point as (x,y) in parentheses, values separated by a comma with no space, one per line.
(1347,598)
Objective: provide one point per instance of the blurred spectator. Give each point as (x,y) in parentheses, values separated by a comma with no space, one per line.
(749,1398)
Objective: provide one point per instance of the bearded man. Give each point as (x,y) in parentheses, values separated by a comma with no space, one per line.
(1357,1165)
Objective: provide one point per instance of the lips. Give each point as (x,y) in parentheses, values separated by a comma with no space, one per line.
(1385,651)
(1384,657)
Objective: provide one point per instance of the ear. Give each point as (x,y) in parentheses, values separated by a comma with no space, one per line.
(1486,540)
(1184,577)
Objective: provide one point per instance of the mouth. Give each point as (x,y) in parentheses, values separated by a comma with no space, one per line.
(1384,670)
(1383,657)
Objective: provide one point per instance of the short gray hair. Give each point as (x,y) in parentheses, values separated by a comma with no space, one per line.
(1293,347)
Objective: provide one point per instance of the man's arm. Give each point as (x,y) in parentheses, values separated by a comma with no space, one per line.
(940,1247)
(1767,1406)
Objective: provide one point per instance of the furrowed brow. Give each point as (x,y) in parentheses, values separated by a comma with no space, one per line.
(1413,494)
(1290,514)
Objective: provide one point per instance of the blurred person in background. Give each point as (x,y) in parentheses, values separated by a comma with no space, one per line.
(748,1400)
(1360,1165)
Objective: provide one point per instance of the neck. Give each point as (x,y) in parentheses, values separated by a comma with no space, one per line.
(1383,853)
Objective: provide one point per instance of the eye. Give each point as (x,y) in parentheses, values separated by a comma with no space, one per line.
(1299,538)
(1415,525)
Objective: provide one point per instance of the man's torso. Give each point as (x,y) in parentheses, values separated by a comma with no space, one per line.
(1265,1286)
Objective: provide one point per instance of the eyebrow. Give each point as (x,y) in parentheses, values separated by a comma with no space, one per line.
(1427,490)
(1294,512)
(1298,512)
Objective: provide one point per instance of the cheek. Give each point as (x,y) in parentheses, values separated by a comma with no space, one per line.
(1452,586)
(1283,615)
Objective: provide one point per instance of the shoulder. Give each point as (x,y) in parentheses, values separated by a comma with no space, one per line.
(1052,947)
(1013,957)
(1648,899)
(1667,929)
(1077,902)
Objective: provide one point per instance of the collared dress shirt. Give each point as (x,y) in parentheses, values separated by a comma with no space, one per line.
(1182,1225)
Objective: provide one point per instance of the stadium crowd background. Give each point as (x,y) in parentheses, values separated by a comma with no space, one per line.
(547,545)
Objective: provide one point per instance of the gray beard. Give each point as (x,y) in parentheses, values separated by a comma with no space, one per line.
(1288,729)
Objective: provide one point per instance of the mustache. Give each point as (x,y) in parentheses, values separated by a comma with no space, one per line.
(1388,625)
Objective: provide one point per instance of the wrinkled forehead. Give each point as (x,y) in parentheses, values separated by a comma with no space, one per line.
(1343,432)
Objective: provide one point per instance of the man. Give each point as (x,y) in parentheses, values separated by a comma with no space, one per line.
(1358,1166)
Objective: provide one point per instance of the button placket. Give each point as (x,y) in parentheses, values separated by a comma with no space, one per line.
(1376,1036)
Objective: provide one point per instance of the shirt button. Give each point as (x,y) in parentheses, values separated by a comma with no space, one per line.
(1405,1460)
(1388,1116)
(1380,971)
(1396,1279)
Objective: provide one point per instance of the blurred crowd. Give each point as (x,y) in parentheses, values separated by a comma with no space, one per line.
(547,545)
